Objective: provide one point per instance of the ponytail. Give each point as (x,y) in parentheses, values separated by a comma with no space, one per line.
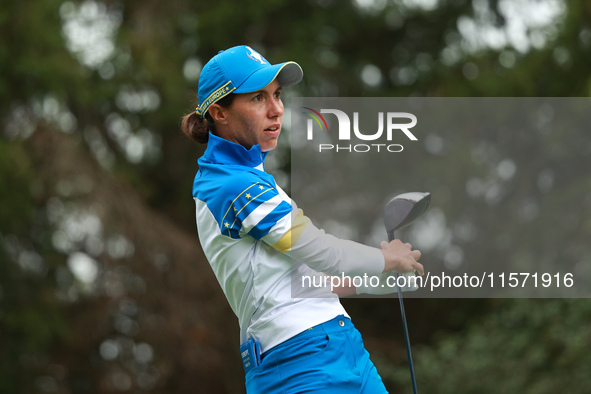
(197,128)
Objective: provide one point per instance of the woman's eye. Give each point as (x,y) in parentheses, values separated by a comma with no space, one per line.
(258,97)
(278,94)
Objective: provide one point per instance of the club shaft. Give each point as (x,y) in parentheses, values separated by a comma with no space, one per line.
(407,340)
(404,325)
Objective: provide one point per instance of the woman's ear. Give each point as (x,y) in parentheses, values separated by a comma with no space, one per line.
(218,113)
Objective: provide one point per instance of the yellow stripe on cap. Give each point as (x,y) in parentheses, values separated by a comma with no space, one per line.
(294,233)
(215,96)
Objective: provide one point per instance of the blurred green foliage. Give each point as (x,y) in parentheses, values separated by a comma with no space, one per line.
(30,318)
(525,346)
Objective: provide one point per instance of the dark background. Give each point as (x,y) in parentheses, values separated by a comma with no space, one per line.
(103,285)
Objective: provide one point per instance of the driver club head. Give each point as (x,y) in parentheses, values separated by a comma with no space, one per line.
(404,209)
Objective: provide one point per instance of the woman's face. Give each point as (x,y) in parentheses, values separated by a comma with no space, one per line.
(253,118)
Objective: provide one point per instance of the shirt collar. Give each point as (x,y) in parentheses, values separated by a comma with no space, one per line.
(222,151)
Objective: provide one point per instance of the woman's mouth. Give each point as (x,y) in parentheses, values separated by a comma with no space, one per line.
(273,130)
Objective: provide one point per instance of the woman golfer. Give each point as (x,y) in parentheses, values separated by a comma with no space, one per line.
(294,340)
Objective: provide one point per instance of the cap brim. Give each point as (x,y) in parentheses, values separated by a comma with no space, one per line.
(287,74)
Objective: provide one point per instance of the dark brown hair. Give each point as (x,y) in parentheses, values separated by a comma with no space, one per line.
(197,128)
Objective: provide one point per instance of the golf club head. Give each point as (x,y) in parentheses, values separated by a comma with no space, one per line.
(404,209)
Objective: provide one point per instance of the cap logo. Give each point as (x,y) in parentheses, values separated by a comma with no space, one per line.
(254,55)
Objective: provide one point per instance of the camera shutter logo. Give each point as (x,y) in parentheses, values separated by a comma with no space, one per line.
(392,120)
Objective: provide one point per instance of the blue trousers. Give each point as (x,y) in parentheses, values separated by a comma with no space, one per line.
(327,358)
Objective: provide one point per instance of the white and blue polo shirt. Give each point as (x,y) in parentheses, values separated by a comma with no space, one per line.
(255,239)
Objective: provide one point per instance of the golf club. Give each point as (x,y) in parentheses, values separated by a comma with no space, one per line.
(401,211)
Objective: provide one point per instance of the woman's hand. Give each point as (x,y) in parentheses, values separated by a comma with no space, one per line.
(400,257)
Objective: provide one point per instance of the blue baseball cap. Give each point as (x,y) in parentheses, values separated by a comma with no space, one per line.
(241,69)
